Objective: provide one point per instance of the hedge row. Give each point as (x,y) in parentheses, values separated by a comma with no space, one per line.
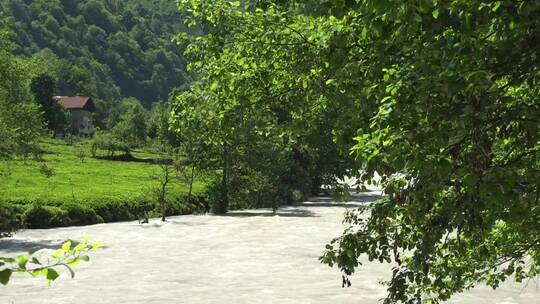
(48,214)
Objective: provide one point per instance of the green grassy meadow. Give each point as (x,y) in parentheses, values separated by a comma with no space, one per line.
(76,178)
(69,187)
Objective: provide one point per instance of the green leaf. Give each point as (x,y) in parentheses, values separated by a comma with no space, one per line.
(66,246)
(74,262)
(22,261)
(364,33)
(496,6)
(385,99)
(57,253)
(5,275)
(52,274)
(470,180)
(36,273)
(80,247)
(435,13)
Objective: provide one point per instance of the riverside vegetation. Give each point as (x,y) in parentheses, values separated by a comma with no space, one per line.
(440,98)
(67,186)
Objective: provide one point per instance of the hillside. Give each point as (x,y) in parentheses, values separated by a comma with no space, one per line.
(108,49)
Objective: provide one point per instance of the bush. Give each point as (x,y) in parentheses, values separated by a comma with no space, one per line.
(109,142)
(180,205)
(341,193)
(39,216)
(250,188)
(10,218)
(36,214)
(215,196)
(297,196)
(80,214)
(115,210)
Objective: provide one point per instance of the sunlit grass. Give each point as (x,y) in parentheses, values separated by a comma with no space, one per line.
(76,178)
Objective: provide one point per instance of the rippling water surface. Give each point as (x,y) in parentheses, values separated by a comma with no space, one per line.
(245,257)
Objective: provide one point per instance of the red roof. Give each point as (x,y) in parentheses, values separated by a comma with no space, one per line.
(76,102)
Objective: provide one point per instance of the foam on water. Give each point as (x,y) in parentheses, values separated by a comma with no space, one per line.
(246,257)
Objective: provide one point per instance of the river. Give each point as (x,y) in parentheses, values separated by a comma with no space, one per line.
(245,257)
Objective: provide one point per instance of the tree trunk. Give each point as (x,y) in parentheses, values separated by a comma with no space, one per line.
(224,181)
(191,182)
(163,193)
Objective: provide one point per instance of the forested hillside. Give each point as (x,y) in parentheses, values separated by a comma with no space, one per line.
(107,49)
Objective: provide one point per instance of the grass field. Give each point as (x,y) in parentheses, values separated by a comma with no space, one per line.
(79,179)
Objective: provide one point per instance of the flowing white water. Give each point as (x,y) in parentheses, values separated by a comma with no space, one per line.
(245,257)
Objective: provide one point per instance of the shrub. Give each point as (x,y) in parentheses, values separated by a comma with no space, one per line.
(250,188)
(39,216)
(297,196)
(215,195)
(80,214)
(115,210)
(11,218)
(341,192)
(48,214)
(181,205)
(109,142)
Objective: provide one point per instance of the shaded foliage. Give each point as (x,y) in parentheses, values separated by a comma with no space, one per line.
(439,98)
(21,123)
(43,87)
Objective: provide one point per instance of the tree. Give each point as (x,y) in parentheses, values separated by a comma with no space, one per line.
(190,159)
(14,72)
(455,142)
(132,126)
(20,122)
(159,125)
(164,178)
(256,111)
(21,126)
(441,100)
(55,116)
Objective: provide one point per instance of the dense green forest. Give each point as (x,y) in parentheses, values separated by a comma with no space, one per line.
(107,49)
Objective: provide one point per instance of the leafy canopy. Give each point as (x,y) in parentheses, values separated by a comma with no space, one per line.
(441,100)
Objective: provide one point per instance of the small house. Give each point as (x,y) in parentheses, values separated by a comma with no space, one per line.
(80,109)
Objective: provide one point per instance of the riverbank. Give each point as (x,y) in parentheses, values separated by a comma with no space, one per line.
(68,186)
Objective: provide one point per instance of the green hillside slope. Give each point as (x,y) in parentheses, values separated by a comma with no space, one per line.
(108,49)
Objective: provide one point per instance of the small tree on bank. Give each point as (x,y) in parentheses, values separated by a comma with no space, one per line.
(164,178)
